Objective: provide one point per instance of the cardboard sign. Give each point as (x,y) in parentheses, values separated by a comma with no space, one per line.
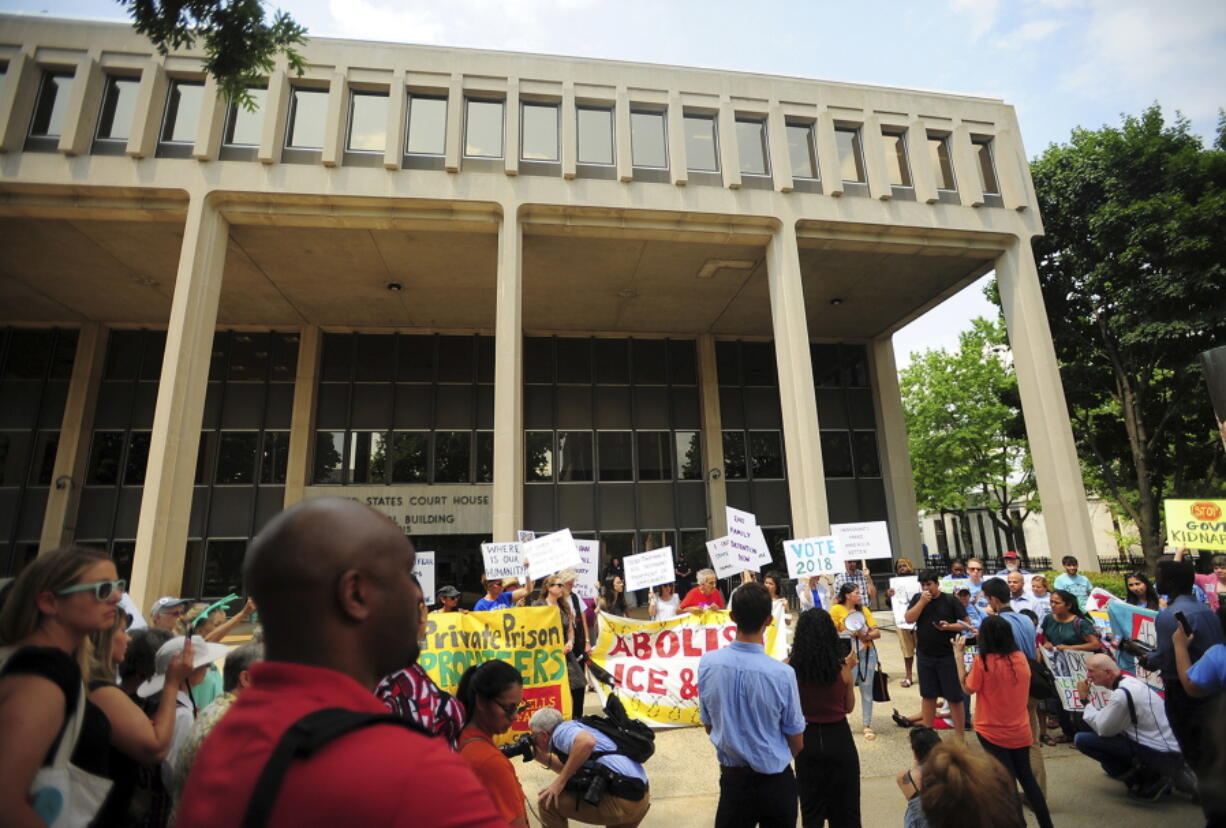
(551,553)
(423,570)
(749,548)
(863,541)
(720,552)
(648,569)
(1196,524)
(905,588)
(503,560)
(813,557)
(587,585)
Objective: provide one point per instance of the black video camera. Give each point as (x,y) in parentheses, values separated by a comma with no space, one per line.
(520,747)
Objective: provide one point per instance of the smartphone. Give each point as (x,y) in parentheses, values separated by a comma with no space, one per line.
(1183,622)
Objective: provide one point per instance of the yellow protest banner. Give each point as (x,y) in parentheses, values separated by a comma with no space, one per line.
(655,663)
(1196,524)
(530,639)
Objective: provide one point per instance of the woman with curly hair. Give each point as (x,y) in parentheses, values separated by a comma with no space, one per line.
(828,767)
(1000,675)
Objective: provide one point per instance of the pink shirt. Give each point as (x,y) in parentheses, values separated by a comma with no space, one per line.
(1209,583)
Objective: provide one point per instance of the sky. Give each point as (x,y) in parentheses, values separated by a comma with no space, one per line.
(1061,63)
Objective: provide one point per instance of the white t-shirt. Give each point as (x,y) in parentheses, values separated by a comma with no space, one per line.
(666,609)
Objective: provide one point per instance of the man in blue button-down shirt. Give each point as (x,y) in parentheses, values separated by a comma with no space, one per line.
(750,706)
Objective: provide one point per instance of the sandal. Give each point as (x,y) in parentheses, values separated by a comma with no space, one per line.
(900,719)
(869,734)
(905,683)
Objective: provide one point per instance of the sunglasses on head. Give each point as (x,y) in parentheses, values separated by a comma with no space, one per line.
(102,589)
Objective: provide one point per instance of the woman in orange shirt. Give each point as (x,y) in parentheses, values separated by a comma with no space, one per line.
(493,696)
(1001,677)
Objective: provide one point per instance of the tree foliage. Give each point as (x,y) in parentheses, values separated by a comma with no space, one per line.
(240,47)
(964,431)
(1133,271)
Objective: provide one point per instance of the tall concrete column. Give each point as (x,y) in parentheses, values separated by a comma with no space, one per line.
(72,454)
(712,438)
(895,454)
(508,495)
(302,419)
(1044,408)
(161,534)
(801,437)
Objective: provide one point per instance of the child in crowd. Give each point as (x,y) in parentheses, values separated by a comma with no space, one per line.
(923,740)
(1079,585)
(973,613)
(1042,597)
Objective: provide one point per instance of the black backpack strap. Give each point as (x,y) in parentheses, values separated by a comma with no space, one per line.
(300,741)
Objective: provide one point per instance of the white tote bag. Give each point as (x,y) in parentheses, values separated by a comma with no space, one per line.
(61,794)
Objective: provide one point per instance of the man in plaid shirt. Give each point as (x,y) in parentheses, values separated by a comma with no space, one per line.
(859,577)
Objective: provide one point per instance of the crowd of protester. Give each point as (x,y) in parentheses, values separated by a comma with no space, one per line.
(159,735)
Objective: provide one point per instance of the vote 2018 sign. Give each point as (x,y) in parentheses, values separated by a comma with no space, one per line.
(1196,524)
(813,557)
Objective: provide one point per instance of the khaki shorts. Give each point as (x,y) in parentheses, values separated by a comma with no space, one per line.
(906,642)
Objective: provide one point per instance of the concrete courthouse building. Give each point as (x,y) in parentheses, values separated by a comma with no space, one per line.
(483,292)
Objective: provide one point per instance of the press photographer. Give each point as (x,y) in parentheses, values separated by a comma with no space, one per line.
(596,784)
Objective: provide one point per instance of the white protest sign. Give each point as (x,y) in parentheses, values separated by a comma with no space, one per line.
(648,569)
(812,557)
(588,584)
(551,553)
(749,547)
(905,588)
(863,541)
(502,560)
(423,571)
(720,551)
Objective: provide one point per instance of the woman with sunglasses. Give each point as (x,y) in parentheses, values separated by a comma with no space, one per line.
(493,695)
(553,594)
(56,602)
(136,739)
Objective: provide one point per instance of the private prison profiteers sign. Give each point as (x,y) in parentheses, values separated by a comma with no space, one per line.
(423,510)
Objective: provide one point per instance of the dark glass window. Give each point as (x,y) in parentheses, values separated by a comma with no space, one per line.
(574,360)
(52,104)
(248,356)
(759,363)
(650,361)
(612,362)
(836,454)
(575,456)
(616,462)
(766,454)
(329,457)
(452,453)
(851,158)
(236,458)
(655,455)
(682,362)
(410,461)
(735,467)
(801,151)
(689,455)
(864,449)
(183,104)
(118,108)
(104,457)
(223,568)
(46,443)
(138,458)
(367,457)
(538,456)
(274,457)
(14,457)
(485,457)
(29,353)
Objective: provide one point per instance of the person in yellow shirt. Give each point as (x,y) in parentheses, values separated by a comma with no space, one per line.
(855,624)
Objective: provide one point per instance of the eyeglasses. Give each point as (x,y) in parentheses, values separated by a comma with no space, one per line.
(556,585)
(512,710)
(974,569)
(102,589)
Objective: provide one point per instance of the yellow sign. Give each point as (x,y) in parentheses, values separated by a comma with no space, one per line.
(530,639)
(1196,524)
(655,663)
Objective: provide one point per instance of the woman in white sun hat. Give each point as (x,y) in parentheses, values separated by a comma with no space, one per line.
(203,653)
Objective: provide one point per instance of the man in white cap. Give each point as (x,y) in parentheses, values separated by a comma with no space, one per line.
(167,611)
(202,653)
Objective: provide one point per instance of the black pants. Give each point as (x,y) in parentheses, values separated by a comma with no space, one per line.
(828,776)
(576,701)
(1189,718)
(748,799)
(1017,762)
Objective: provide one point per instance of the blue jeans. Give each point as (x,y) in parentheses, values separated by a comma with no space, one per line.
(1116,755)
(862,674)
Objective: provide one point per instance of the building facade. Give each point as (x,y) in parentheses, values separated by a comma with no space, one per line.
(483,292)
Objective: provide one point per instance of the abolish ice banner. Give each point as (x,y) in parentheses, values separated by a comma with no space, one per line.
(655,663)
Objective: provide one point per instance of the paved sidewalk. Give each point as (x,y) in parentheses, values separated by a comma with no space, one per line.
(685,777)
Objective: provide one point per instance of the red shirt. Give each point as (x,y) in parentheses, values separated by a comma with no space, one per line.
(824,703)
(696,598)
(377,775)
(1001,716)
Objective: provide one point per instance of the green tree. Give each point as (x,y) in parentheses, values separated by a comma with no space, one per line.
(1133,271)
(240,46)
(963,428)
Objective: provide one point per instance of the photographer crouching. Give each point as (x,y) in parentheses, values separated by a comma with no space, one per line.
(596,785)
